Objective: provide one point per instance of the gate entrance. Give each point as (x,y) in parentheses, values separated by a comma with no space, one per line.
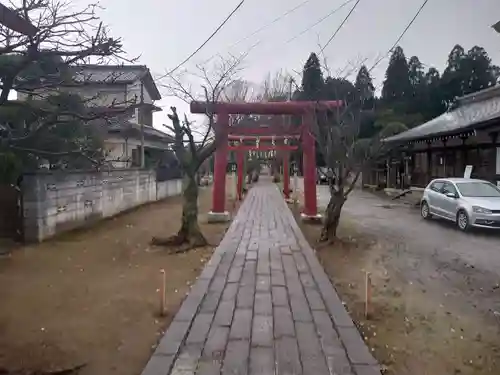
(306,110)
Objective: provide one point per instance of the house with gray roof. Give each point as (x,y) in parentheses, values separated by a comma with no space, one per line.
(131,87)
(468,134)
(130,140)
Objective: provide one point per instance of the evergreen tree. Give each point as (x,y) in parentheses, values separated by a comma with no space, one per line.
(416,101)
(467,73)
(397,87)
(416,71)
(433,104)
(479,69)
(338,89)
(454,76)
(365,91)
(312,79)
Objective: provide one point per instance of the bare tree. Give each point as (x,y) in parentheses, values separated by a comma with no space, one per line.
(195,143)
(276,87)
(44,69)
(345,154)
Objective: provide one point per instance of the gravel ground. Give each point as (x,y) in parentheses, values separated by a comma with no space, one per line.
(436,294)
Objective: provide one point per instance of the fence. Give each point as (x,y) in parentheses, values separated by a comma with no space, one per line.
(166,173)
(55,202)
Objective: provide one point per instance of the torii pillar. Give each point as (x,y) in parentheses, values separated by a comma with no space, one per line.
(309,169)
(240,160)
(219,213)
(286,176)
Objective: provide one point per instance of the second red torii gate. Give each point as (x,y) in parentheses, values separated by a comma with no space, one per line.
(297,108)
(241,148)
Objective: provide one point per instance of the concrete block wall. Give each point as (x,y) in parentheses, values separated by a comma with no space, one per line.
(169,188)
(55,202)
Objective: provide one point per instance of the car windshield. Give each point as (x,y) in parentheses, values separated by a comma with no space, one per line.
(478,189)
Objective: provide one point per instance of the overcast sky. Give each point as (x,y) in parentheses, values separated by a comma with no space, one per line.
(165,32)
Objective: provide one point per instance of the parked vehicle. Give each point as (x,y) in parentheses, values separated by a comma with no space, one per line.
(467,202)
(323,175)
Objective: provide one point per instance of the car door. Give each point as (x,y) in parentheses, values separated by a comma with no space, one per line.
(434,196)
(449,204)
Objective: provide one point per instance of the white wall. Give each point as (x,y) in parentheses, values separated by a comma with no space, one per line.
(55,202)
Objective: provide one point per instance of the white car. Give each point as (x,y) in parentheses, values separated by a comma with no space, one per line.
(467,202)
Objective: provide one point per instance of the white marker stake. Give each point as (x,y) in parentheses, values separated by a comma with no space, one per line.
(163,290)
(235,188)
(368,294)
(295,187)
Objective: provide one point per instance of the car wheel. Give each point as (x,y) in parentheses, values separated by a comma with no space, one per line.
(424,210)
(463,221)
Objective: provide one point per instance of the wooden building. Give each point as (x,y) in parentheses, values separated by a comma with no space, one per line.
(445,145)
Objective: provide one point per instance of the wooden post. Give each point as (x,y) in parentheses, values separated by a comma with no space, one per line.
(286,176)
(234,188)
(368,295)
(163,291)
(295,187)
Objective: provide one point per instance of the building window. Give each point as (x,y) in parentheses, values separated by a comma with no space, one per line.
(136,157)
(145,116)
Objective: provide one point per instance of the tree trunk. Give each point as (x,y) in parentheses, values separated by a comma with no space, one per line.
(332,219)
(189,233)
(190,230)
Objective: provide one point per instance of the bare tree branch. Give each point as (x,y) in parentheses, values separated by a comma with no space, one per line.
(44,69)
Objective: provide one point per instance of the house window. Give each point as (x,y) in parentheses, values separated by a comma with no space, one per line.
(136,157)
(145,116)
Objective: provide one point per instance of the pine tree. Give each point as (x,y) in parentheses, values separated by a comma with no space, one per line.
(434,104)
(312,79)
(482,73)
(453,79)
(397,87)
(338,89)
(416,71)
(365,91)
(417,98)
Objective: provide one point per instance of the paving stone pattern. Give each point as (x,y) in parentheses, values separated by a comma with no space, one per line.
(262,305)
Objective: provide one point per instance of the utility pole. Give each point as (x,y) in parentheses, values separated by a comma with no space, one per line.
(142,126)
(290,82)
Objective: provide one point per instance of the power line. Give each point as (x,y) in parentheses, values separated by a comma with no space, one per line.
(277,19)
(401,36)
(206,41)
(331,13)
(340,26)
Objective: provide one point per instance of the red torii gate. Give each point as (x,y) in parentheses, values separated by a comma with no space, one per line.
(297,108)
(240,148)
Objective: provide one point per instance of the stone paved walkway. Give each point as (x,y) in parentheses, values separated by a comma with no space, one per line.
(263,305)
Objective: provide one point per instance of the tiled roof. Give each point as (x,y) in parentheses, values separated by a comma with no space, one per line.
(122,74)
(109,73)
(117,125)
(474,110)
